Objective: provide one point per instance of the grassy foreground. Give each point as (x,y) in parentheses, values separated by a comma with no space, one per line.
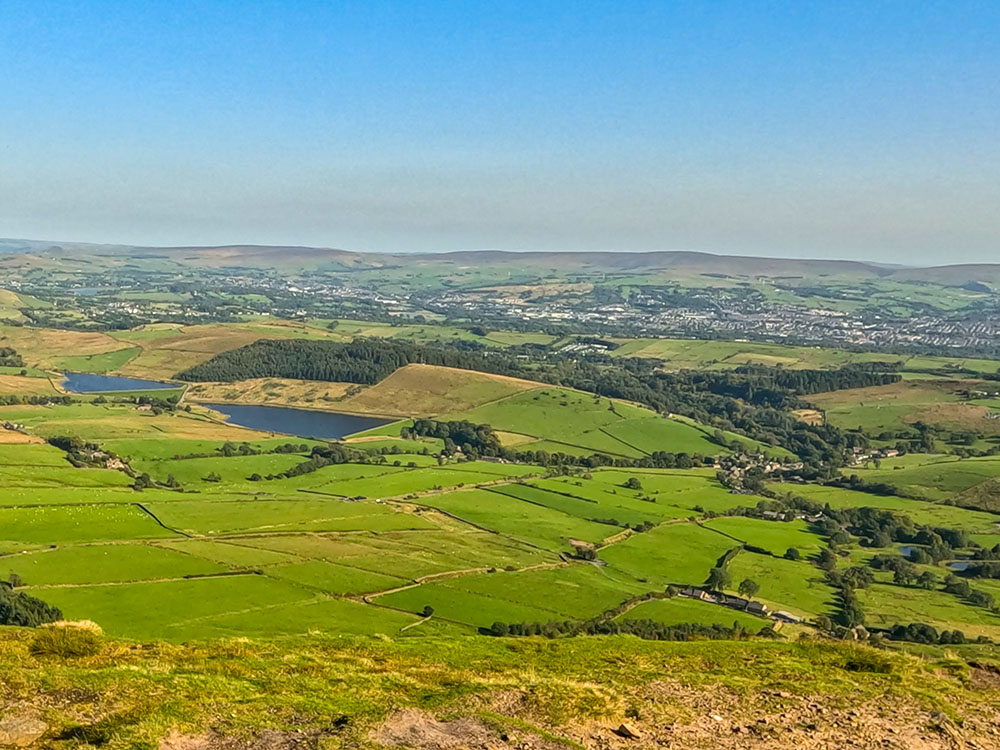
(330,692)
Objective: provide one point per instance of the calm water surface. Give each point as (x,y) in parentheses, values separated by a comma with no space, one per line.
(84,382)
(326,425)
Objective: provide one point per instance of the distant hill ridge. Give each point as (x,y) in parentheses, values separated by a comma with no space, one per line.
(684,262)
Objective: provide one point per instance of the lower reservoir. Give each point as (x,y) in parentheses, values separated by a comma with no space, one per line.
(325,425)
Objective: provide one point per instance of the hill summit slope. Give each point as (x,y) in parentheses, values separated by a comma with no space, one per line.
(435,694)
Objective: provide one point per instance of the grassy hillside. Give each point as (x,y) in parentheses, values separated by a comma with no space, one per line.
(566,420)
(431,694)
(426,390)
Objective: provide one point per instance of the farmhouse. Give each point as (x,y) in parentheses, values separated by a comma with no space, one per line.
(787,617)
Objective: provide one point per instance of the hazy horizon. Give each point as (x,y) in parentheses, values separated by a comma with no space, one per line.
(851,132)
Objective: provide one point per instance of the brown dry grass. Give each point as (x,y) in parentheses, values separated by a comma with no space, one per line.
(956,416)
(426,390)
(191,345)
(44,348)
(809,416)
(270,391)
(26,386)
(10,437)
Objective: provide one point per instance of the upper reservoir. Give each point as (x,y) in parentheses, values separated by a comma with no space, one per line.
(325,425)
(85,382)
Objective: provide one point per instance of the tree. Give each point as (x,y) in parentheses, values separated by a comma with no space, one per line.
(632,483)
(792,554)
(927,580)
(749,588)
(857,577)
(718,579)
(826,560)
(427,611)
(905,573)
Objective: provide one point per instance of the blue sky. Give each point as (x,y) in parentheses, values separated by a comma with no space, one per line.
(806,129)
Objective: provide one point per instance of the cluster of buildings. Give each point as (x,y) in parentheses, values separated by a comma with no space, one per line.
(863,455)
(738,603)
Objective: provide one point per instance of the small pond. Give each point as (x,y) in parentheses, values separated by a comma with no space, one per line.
(907,550)
(958,565)
(325,425)
(85,382)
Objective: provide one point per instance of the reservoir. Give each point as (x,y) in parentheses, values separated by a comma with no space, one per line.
(325,425)
(84,382)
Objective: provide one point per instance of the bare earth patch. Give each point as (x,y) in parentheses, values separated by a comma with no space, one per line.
(810,416)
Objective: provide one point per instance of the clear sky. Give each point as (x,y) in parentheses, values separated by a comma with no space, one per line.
(809,129)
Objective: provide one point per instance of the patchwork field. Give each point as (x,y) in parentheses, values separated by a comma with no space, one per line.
(796,587)
(571,421)
(58,350)
(213,540)
(899,406)
(681,553)
(700,355)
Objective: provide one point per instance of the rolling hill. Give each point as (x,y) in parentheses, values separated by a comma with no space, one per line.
(677,262)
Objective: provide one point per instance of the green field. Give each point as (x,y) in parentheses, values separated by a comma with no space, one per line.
(232,469)
(678,611)
(78,523)
(886,605)
(216,517)
(564,416)
(797,587)
(98,363)
(681,553)
(774,536)
(536,525)
(364,548)
(104,563)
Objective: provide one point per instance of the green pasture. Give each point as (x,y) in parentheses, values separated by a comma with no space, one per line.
(165,447)
(177,610)
(464,607)
(560,415)
(233,469)
(774,536)
(577,592)
(920,511)
(65,476)
(680,611)
(679,553)
(231,553)
(104,563)
(406,554)
(219,517)
(33,455)
(59,524)
(97,363)
(534,524)
(333,578)
(795,586)
(887,604)
(696,490)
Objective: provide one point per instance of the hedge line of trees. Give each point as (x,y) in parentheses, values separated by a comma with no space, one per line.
(646,629)
(13,399)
